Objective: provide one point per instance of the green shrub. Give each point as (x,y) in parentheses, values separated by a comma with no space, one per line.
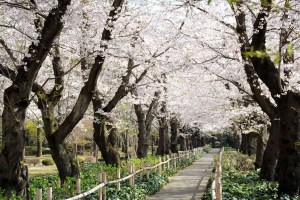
(233,160)
(32,150)
(247,185)
(47,162)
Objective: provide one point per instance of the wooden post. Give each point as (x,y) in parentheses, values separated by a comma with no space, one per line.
(39,194)
(131,171)
(168,164)
(142,172)
(148,171)
(159,167)
(49,193)
(104,188)
(118,177)
(100,189)
(175,161)
(163,165)
(213,190)
(78,189)
(218,189)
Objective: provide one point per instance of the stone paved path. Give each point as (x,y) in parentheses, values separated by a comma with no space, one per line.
(190,183)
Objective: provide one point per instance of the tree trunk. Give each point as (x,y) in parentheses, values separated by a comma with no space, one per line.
(203,141)
(271,152)
(106,144)
(143,145)
(11,178)
(182,143)
(244,144)
(39,151)
(163,143)
(95,153)
(260,147)
(289,143)
(174,131)
(65,162)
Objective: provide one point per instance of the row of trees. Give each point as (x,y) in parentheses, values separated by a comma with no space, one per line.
(204,63)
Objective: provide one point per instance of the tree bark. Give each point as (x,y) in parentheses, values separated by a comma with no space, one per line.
(64,160)
(260,147)
(181,141)
(164,142)
(244,144)
(107,143)
(16,101)
(289,143)
(174,132)
(39,151)
(203,141)
(271,152)
(144,124)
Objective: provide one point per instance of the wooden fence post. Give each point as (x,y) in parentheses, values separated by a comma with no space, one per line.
(168,164)
(148,171)
(49,193)
(175,161)
(131,171)
(100,189)
(78,188)
(104,188)
(39,194)
(142,172)
(118,177)
(159,167)
(213,190)
(163,165)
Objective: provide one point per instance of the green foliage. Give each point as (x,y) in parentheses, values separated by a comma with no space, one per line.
(31,129)
(247,185)
(241,181)
(32,150)
(48,162)
(235,161)
(14,196)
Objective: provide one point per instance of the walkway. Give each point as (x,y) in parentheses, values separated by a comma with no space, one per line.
(190,183)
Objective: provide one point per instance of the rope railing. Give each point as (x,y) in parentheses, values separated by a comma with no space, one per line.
(216,187)
(101,187)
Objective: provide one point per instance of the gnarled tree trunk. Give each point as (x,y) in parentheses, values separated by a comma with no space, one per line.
(260,147)
(144,124)
(16,101)
(66,165)
(289,142)
(271,152)
(107,143)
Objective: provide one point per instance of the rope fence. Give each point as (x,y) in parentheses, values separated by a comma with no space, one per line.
(162,165)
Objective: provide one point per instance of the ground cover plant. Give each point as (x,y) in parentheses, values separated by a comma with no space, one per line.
(241,181)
